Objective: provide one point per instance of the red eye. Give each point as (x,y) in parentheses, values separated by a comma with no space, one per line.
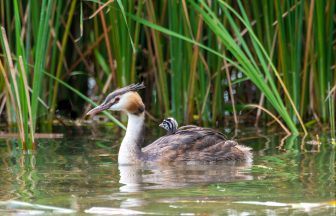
(117,99)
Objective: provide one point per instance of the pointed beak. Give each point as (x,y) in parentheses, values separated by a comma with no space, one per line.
(161,125)
(98,109)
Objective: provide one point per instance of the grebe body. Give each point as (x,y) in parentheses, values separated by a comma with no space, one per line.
(188,143)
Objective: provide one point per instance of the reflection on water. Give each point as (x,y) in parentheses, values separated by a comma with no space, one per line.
(139,178)
(80,174)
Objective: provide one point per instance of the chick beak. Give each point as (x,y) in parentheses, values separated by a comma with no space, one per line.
(98,109)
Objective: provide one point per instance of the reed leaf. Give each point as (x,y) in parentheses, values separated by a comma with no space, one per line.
(40,53)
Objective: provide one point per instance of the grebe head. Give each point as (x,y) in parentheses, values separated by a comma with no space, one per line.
(123,99)
(170,125)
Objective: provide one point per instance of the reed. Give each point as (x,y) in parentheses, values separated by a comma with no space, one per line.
(61,57)
(331,105)
(18,96)
(201,60)
(26,107)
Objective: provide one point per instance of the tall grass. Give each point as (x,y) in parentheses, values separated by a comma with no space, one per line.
(26,107)
(19,108)
(33,48)
(201,60)
(243,55)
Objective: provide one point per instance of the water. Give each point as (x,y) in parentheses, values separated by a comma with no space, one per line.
(79,175)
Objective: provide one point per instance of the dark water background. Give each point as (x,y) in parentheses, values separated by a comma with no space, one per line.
(79,174)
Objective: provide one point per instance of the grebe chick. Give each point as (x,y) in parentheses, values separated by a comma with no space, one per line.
(170,125)
(188,143)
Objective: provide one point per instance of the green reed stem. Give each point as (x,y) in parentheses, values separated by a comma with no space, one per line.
(61,58)
(40,56)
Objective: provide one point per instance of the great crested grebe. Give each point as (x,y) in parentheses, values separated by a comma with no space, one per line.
(190,143)
(170,125)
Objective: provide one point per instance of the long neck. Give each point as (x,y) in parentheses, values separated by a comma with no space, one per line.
(130,150)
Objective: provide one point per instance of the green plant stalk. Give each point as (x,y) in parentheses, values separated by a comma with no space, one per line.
(19,79)
(84,98)
(54,51)
(18,41)
(236,51)
(177,51)
(8,19)
(282,109)
(112,76)
(179,36)
(205,91)
(189,40)
(102,62)
(28,37)
(40,53)
(13,86)
(120,48)
(331,55)
(262,57)
(331,103)
(298,55)
(124,16)
(283,56)
(185,62)
(269,35)
(36,18)
(5,86)
(325,41)
(31,142)
(136,41)
(161,81)
(331,52)
(237,32)
(176,64)
(216,96)
(271,93)
(304,93)
(320,37)
(12,102)
(192,77)
(77,92)
(61,57)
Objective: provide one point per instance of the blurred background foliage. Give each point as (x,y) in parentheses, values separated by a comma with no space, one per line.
(204,62)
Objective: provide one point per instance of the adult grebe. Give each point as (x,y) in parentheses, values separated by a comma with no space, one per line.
(190,143)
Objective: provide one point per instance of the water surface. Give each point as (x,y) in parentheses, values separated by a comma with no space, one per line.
(79,174)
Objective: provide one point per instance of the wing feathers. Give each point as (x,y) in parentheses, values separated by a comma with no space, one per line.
(192,143)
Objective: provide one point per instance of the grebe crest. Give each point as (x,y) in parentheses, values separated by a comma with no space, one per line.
(170,125)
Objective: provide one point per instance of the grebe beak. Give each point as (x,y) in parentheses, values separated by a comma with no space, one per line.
(98,109)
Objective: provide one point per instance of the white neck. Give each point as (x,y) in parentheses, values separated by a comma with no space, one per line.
(130,150)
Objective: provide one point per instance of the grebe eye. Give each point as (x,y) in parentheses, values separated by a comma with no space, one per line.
(116,100)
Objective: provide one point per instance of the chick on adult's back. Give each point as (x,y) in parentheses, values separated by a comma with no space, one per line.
(170,125)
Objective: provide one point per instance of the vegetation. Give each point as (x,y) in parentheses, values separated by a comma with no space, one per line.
(204,61)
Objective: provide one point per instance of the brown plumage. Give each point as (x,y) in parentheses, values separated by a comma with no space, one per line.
(188,143)
(192,143)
